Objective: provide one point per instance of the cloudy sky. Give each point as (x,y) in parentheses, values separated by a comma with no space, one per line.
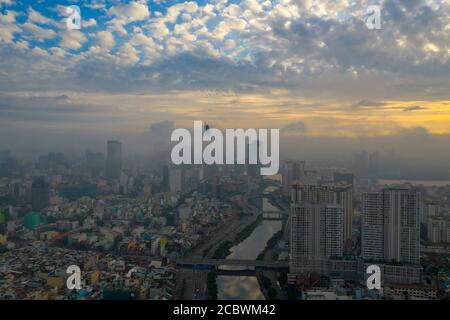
(312,68)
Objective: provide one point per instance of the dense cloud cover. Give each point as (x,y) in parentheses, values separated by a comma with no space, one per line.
(311,68)
(222,45)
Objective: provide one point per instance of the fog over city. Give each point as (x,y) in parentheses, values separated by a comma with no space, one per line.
(411,153)
(123,177)
(311,69)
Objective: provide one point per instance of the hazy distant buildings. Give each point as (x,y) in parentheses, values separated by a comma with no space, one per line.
(374,163)
(367,165)
(114,160)
(175,180)
(4,154)
(343,177)
(53,160)
(391,226)
(361,162)
(95,162)
(253,169)
(165,178)
(292,171)
(8,164)
(40,194)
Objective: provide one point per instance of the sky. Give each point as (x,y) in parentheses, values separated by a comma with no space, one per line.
(311,68)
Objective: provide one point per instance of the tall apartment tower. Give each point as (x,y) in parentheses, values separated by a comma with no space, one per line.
(316,231)
(339,194)
(372,240)
(317,227)
(40,194)
(114,160)
(292,171)
(344,197)
(391,226)
(438,230)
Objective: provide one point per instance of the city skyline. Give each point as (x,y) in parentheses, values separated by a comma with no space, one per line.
(224,150)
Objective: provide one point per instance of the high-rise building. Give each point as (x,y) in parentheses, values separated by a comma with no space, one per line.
(253,169)
(292,171)
(344,197)
(114,160)
(8,164)
(373,164)
(344,183)
(339,194)
(432,209)
(367,165)
(438,230)
(391,226)
(402,226)
(40,194)
(175,180)
(316,231)
(361,163)
(317,227)
(372,241)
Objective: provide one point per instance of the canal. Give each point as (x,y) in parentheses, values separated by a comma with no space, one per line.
(247,287)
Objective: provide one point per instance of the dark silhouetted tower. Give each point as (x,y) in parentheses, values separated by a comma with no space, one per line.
(114,160)
(40,194)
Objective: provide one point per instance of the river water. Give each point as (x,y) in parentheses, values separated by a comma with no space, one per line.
(247,287)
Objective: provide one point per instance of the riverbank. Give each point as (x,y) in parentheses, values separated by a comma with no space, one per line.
(270,245)
(223,250)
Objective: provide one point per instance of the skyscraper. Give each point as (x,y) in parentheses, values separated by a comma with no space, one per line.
(366,165)
(361,163)
(373,164)
(344,197)
(317,227)
(253,169)
(391,226)
(165,178)
(402,226)
(372,241)
(40,194)
(175,180)
(316,231)
(114,160)
(339,194)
